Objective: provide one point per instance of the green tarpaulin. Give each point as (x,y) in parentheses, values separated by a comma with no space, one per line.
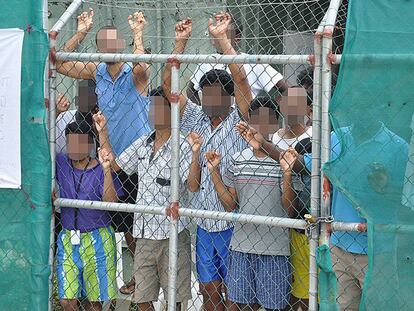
(372,110)
(25,214)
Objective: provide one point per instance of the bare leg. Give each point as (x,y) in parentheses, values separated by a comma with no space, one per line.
(69,304)
(130,242)
(92,306)
(146,306)
(212,296)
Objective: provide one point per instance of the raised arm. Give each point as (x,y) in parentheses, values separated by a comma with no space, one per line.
(62,104)
(257,141)
(242,91)
(194,175)
(182,34)
(99,121)
(141,70)
(227,195)
(78,70)
(109,191)
(289,197)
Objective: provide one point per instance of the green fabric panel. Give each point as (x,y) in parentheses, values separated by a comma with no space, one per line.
(374,100)
(25,214)
(327,280)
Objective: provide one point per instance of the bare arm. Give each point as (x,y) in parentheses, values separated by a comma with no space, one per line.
(182,34)
(288,194)
(227,195)
(141,70)
(257,141)
(78,70)
(62,105)
(242,91)
(109,194)
(109,191)
(194,176)
(100,125)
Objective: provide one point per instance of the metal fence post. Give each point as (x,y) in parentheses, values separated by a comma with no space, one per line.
(52,120)
(316,166)
(175,178)
(326,97)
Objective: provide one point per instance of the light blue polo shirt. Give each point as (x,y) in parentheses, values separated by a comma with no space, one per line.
(377,190)
(125,109)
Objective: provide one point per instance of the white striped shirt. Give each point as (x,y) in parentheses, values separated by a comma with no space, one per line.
(154,183)
(226,140)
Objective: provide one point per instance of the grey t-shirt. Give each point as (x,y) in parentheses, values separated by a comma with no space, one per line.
(257,184)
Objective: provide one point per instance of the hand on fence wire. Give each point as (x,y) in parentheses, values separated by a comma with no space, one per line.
(173,210)
(62,104)
(85,21)
(195,141)
(137,22)
(251,135)
(220,29)
(105,157)
(213,160)
(183,30)
(99,121)
(287,159)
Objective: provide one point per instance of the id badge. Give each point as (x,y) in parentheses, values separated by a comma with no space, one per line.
(75,237)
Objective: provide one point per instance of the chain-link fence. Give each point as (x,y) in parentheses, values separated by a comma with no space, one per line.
(233,139)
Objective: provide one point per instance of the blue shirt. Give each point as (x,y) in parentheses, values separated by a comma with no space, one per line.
(361,170)
(125,109)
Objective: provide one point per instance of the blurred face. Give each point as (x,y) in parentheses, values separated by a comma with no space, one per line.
(160,113)
(110,41)
(265,120)
(79,146)
(215,101)
(87,98)
(294,106)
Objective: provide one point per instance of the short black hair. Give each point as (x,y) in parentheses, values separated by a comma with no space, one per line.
(90,84)
(264,101)
(218,76)
(305,77)
(84,119)
(304,146)
(77,127)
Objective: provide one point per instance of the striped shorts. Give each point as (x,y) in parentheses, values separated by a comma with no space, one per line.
(259,279)
(87,270)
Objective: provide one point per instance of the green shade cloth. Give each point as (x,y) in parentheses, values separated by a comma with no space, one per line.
(25,214)
(374,102)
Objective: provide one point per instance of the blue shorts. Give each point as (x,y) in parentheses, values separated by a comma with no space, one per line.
(212,250)
(259,279)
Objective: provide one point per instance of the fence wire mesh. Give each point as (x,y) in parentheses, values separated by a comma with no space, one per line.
(244,133)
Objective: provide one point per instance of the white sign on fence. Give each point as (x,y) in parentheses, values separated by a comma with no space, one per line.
(11,43)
